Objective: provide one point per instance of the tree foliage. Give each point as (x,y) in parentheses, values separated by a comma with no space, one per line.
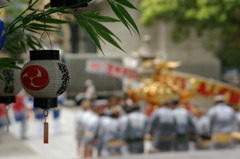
(218,19)
(24,31)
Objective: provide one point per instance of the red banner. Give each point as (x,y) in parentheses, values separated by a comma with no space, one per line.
(110,69)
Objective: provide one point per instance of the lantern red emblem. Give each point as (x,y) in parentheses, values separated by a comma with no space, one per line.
(35,77)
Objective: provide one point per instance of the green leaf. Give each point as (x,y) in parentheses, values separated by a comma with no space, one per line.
(7,59)
(102,27)
(31,44)
(99,17)
(128,17)
(119,14)
(9,65)
(52,20)
(30,2)
(126,3)
(2,7)
(42,25)
(90,30)
(33,31)
(39,29)
(23,45)
(48,5)
(26,20)
(108,38)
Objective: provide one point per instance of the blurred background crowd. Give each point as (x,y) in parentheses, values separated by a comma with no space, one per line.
(118,126)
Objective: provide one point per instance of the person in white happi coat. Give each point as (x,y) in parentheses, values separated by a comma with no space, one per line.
(109,141)
(90,93)
(161,128)
(91,129)
(222,123)
(202,124)
(88,123)
(135,129)
(81,118)
(184,126)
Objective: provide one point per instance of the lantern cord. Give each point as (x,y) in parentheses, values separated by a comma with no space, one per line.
(8,120)
(45,113)
(45,32)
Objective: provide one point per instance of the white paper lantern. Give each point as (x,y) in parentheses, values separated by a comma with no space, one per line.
(45,77)
(10,86)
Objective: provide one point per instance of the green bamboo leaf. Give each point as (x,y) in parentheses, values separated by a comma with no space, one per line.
(31,44)
(7,59)
(11,27)
(23,45)
(48,5)
(119,14)
(108,38)
(128,17)
(39,29)
(52,20)
(27,19)
(42,25)
(31,30)
(30,2)
(9,49)
(99,17)
(1,78)
(3,6)
(9,65)
(90,31)
(95,24)
(34,41)
(126,3)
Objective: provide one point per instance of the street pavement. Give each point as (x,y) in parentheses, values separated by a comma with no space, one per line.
(63,145)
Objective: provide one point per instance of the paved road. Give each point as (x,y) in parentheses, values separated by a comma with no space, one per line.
(62,146)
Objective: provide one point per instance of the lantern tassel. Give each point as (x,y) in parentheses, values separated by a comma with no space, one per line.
(8,120)
(45,127)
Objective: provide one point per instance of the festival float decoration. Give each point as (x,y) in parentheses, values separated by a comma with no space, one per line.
(45,77)
(157,90)
(163,84)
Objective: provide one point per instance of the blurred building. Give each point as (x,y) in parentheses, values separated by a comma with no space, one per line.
(195,59)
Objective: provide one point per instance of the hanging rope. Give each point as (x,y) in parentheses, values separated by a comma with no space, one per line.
(8,120)
(44,16)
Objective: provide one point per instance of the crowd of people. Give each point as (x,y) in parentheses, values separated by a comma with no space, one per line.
(117,126)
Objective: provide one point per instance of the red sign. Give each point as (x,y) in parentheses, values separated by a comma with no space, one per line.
(110,69)
(35,77)
(95,66)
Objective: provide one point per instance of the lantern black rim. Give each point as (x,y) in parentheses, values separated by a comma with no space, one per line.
(69,3)
(44,55)
(7,99)
(45,103)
